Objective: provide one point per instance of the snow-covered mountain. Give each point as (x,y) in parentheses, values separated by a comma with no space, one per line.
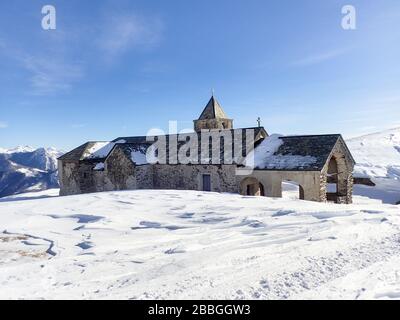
(25,169)
(378,158)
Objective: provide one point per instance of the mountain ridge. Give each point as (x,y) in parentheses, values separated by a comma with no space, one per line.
(25,169)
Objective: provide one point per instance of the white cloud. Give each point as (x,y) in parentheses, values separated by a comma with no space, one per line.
(3,125)
(319,58)
(124,32)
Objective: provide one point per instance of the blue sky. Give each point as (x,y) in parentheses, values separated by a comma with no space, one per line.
(119,68)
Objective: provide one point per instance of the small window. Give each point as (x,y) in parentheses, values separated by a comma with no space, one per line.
(206,182)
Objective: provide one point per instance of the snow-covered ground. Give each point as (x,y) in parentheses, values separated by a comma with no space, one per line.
(378,157)
(193,245)
(49,193)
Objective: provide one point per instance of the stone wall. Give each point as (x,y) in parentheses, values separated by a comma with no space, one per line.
(121,174)
(350,184)
(213,124)
(78,177)
(323,178)
(189,177)
(69,177)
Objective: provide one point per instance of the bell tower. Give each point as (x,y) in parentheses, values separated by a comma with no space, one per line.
(213,117)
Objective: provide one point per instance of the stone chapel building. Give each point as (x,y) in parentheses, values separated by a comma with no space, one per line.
(321,165)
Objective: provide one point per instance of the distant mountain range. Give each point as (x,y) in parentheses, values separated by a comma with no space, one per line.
(25,169)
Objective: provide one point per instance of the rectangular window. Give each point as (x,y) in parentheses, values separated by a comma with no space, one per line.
(206,182)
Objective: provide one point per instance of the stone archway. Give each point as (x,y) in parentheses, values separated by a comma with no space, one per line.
(301,192)
(337,180)
(292,190)
(250,186)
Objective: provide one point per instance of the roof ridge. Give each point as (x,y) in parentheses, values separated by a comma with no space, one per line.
(312,135)
(194,132)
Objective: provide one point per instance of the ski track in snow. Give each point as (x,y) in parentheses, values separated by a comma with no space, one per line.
(166,244)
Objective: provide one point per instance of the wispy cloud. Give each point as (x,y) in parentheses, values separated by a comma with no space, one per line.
(48,73)
(50,76)
(53,68)
(3,125)
(319,58)
(124,32)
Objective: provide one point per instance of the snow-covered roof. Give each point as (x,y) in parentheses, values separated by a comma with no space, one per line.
(97,151)
(100,150)
(136,152)
(140,144)
(266,156)
(297,153)
(94,150)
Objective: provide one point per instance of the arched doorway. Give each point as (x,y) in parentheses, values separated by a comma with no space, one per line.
(292,190)
(332,180)
(251,187)
(337,179)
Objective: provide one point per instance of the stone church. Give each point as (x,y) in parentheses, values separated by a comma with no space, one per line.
(320,166)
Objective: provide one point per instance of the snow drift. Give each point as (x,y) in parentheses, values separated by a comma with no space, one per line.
(193,245)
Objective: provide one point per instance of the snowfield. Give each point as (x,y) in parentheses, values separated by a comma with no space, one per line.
(192,245)
(378,157)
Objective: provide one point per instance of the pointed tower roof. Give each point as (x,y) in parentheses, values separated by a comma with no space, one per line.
(213,110)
